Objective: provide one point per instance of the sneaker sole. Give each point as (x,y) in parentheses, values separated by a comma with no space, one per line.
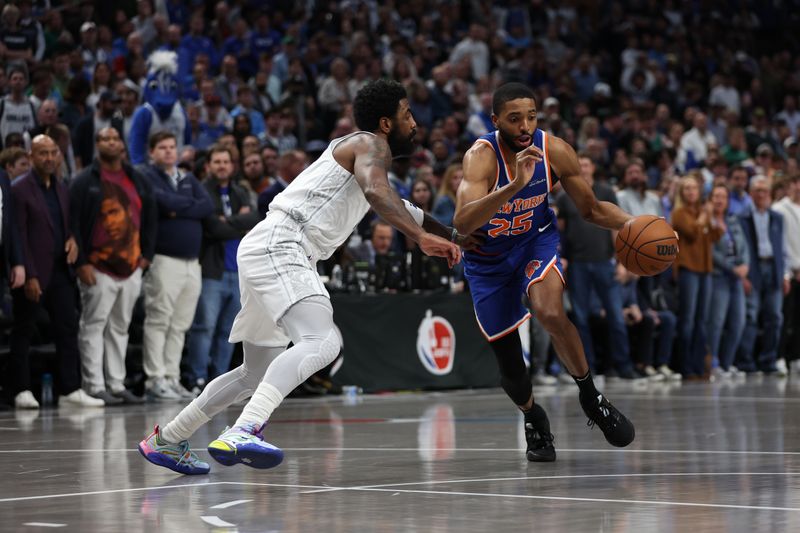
(538,457)
(227,456)
(159,459)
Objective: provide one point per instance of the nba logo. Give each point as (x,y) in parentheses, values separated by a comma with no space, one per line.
(436,344)
(532,267)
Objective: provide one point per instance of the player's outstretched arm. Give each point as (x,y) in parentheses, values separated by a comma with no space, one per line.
(371,166)
(565,163)
(475,203)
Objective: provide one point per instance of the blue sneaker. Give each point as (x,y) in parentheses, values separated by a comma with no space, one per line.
(245,445)
(178,457)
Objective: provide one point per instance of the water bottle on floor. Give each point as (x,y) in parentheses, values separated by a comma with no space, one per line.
(47,389)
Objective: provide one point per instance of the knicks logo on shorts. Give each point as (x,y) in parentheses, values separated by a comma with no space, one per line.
(436,344)
(532,267)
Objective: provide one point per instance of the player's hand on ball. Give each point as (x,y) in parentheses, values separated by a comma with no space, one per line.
(526,162)
(436,246)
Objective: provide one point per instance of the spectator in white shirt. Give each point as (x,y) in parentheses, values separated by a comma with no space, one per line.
(475,48)
(695,142)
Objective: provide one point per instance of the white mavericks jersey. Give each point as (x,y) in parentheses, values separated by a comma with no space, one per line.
(325,201)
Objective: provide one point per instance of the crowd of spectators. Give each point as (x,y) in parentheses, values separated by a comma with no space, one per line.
(684,110)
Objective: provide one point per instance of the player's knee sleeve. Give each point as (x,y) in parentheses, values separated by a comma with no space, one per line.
(323,353)
(513,374)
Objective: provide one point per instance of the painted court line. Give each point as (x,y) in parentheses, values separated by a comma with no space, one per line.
(216,521)
(43,524)
(165,487)
(229,504)
(395,450)
(592,500)
(539,478)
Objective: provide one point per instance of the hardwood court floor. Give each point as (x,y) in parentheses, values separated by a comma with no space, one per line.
(712,457)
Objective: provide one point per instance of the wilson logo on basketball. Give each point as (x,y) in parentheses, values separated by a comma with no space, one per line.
(532,267)
(666,249)
(436,344)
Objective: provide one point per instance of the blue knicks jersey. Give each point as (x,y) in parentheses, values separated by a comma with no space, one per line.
(528,213)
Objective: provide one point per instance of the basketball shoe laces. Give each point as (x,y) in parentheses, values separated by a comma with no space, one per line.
(609,417)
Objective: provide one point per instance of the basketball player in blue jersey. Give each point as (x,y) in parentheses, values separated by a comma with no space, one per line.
(507,177)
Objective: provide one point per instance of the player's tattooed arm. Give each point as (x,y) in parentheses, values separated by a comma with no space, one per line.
(565,163)
(372,162)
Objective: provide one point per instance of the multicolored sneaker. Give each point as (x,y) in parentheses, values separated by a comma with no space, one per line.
(246,445)
(178,457)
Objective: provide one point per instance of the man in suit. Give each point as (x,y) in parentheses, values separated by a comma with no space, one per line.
(765,284)
(42,215)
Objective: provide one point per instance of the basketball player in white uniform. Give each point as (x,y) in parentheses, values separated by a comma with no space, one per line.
(284,299)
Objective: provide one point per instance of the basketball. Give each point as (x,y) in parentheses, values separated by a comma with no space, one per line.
(646,245)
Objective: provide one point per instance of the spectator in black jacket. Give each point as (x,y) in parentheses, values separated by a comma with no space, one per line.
(209,350)
(172,284)
(114,220)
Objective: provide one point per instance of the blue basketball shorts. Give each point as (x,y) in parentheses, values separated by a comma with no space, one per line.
(499,284)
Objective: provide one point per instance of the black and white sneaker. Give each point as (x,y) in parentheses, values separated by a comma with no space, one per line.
(540,445)
(616,428)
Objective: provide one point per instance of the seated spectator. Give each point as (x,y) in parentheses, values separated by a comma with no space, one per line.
(422,195)
(641,327)
(731,261)
(41,206)
(766,282)
(697,231)
(246,105)
(694,143)
(445,206)
(172,285)
(114,221)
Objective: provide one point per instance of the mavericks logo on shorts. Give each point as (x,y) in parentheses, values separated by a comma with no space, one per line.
(532,267)
(436,344)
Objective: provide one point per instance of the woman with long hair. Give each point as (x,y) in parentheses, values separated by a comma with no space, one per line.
(102,80)
(731,260)
(422,195)
(697,230)
(445,207)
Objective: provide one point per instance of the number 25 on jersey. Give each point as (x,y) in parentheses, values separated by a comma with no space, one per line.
(502,227)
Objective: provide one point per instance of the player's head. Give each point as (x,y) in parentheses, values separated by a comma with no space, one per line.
(381,106)
(514,115)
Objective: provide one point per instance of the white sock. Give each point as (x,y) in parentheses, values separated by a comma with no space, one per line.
(185,424)
(260,407)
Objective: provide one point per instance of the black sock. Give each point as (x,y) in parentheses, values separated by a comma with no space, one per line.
(586,385)
(538,417)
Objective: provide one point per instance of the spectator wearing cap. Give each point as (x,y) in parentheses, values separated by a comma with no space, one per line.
(789,207)
(17,114)
(90,52)
(246,105)
(290,165)
(767,281)
(694,143)
(105,115)
(129,93)
(764,159)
